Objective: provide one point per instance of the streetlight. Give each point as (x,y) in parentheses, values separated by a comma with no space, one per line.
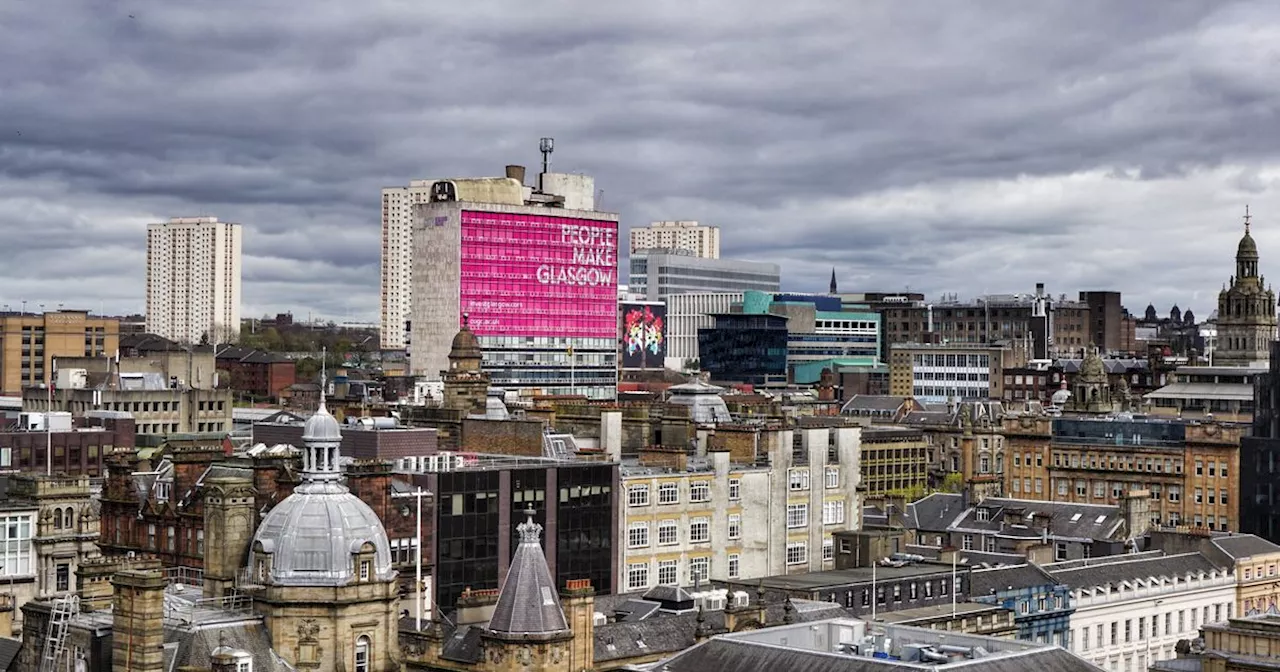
(417,588)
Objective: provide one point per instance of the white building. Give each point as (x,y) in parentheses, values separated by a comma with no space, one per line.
(702,241)
(193,279)
(686,314)
(397,258)
(1131,610)
(724,519)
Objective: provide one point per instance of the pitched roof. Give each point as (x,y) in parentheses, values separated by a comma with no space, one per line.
(934,512)
(8,652)
(1066,519)
(528,603)
(1130,567)
(1239,546)
(991,581)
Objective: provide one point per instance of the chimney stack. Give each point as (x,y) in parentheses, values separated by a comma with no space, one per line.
(137,623)
(516,173)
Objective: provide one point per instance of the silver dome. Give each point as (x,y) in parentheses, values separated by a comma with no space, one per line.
(313,534)
(321,426)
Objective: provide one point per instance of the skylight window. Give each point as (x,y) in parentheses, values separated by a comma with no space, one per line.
(1099,519)
(1075,517)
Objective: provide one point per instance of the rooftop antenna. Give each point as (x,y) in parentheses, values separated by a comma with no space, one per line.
(546,146)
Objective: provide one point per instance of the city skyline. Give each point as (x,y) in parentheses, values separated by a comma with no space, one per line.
(975,151)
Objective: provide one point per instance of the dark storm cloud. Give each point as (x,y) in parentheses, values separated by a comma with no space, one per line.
(950,149)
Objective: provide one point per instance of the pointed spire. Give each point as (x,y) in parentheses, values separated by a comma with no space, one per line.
(528,603)
(833,280)
(1246,218)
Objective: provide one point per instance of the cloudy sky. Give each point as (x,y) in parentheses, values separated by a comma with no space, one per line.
(941,147)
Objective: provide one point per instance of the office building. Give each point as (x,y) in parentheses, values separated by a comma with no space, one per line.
(532,272)
(193,279)
(478,497)
(1259,501)
(658,274)
(1246,311)
(687,519)
(744,348)
(686,314)
(1055,327)
(1132,609)
(701,241)
(397,260)
(821,333)
(1190,469)
(1106,322)
(29,344)
(937,373)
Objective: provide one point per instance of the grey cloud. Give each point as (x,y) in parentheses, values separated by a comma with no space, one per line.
(772,124)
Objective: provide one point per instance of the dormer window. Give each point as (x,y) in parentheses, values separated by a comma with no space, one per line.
(364,570)
(983,515)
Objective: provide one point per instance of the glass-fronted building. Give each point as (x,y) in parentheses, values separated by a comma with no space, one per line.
(745,348)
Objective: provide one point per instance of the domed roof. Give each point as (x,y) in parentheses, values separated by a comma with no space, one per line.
(1247,249)
(321,426)
(465,343)
(1092,369)
(312,534)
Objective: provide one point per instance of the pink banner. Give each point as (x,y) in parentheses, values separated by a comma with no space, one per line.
(537,275)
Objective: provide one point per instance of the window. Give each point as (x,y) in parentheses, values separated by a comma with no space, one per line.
(828,550)
(362,654)
(797,515)
(1024,607)
(1060,551)
(797,553)
(832,477)
(982,515)
(735,526)
(700,491)
(668,572)
(637,576)
(1062,487)
(638,495)
(734,563)
(364,570)
(151,536)
(668,493)
(1222,470)
(699,530)
(833,513)
(966,542)
(735,489)
(798,479)
(1199,468)
(200,542)
(1222,496)
(63,581)
(1199,498)
(668,532)
(637,535)
(699,569)
(984,464)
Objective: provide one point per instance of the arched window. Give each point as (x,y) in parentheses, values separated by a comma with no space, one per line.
(68,517)
(362,654)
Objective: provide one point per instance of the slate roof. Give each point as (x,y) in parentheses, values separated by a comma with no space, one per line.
(528,603)
(883,403)
(1238,546)
(1067,519)
(1115,569)
(8,652)
(934,513)
(991,581)
(726,654)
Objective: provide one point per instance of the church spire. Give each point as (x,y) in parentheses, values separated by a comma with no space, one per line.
(833,281)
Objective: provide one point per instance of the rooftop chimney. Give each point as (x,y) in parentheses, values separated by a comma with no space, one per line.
(516,173)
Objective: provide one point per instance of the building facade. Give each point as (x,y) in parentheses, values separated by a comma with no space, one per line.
(657,274)
(1246,311)
(155,411)
(1131,610)
(745,348)
(1190,469)
(690,236)
(955,371)
(739,514)
(30,344)
(397,260)
(1260,457)
(1041,606)
(193,279)
(537,285)
(688,313)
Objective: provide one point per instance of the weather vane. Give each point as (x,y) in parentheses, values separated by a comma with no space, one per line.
(1246,218)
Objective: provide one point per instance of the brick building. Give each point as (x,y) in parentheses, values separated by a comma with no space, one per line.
(82,450)
(261,374)
(366,439)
